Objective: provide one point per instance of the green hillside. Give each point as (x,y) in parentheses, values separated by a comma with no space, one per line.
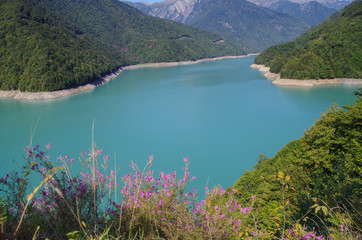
(244,24)
(329,50)
(50,45)
(323,167)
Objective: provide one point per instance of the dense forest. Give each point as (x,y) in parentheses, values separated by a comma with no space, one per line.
(319,172)
(51,45)
(329,50)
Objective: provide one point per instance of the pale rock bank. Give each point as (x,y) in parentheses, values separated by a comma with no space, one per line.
(16,94)
(275,77)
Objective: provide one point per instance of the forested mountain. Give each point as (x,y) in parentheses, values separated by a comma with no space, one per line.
(336,4)
(312,12)
(329,50)
(243,23)
(144,7)
(47,45)
(320,172)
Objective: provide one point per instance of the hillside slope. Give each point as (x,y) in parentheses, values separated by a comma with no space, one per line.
(323,167)
(243,23)
(49,45)
(337,4)
(329,50)
(312,12)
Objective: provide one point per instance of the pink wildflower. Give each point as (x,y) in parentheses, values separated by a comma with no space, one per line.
(342,228)
(150,159)
(47,146)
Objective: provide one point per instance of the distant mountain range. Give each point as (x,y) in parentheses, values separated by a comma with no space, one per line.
(244,24)
(337,4)
(312,12)
(46,45)
(332,49)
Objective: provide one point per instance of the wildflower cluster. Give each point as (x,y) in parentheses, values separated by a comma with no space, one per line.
(140,204)
(299,232)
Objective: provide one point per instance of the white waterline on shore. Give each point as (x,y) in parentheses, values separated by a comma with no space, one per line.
(275,78)
(16,94)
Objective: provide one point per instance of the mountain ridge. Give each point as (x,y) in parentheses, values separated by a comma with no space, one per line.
(51,45)
(242,23)
(329,50)
(337,4)
(311,12)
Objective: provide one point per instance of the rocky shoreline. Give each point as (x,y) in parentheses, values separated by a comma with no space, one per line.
(16,94)
(275,77)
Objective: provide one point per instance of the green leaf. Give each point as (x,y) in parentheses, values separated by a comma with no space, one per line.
(317,209)
(324,210)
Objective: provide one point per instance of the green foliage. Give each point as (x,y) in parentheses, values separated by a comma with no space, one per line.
(329,50)
(50,45)
(73,235)
(326,164)
(3,218)
(333,155)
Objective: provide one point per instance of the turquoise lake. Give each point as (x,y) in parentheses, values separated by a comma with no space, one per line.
(221,114)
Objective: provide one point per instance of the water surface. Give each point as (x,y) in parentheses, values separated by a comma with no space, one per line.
(221,114)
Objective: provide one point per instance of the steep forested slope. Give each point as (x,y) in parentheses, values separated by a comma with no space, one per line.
(323,167)
(49,45)
(38,53)
(329,50)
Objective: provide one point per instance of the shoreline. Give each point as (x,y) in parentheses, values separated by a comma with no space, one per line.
(16,94)
(275,78)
